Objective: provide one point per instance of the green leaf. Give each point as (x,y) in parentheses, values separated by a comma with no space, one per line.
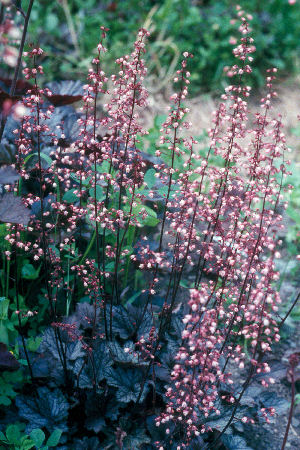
(3,333)
(54,438)
(27,444)
(104,167)
(4,400)
(4,304)
(151,218)
(84,182)
(150,178)
(45,157)
(163,191)
(294,214)
(99,193)
(2,437)
(38,437)
(159,120)
(33,343)
(23,362)
(295,131)
(51,21)
(29,272)
(13,434)
(132,298)
(70,197)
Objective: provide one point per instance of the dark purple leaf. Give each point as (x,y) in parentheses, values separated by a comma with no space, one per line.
(85,315)
(86,443)
(45,409)
(65,92)
(21,89)
(7,152)
(8,175)
(127,382)
(12,210)
(10,126)
(94,410)
(150,159)
(63,121)
(7,360)
(272,400)
(232,442)
(95,369)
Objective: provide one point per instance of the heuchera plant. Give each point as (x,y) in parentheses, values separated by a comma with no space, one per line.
(155,271)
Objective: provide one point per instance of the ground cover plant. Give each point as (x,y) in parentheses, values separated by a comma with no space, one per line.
(67,31)
(138,279)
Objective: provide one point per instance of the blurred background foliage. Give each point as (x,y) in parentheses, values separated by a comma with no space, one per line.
(68,31)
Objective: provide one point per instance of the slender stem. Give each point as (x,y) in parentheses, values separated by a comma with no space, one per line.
(68,286)
(45,246)
(251,372)
(17,69)
(291,409)
(174,142)
(130,240)
(289,311)
(7,277)
(118,247)
(96,203)
(88,249)
(73,34)
(1,13)
(19,312)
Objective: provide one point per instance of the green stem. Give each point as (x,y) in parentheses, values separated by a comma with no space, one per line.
(70,23)
(91,243)
(7,278)
(130,239)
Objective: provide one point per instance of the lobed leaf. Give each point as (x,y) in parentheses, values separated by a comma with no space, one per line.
(12,210)
(47,409)
(127,382)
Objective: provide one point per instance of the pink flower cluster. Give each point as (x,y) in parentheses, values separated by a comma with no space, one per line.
(230,218)
(197,371)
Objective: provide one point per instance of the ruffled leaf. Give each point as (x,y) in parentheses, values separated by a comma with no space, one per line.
(47,409)
(128,384)
(65,92)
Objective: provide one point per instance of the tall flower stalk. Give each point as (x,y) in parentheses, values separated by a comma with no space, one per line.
(240,213)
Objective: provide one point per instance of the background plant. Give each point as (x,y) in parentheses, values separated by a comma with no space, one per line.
(66,30)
